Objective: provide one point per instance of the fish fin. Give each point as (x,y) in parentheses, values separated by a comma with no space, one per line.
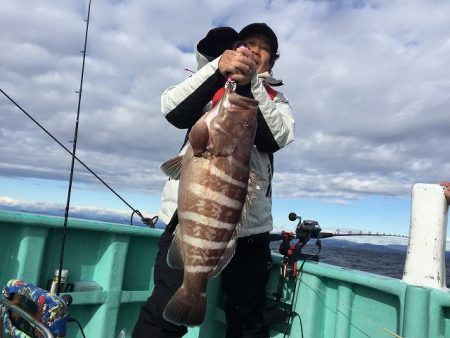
(199,137)
(185,308)
(174,255)
(226,256)
(172,167)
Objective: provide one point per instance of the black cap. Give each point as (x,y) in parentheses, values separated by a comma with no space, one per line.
(263,29)
(216,41)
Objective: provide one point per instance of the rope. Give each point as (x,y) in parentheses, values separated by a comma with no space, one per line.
(361,316)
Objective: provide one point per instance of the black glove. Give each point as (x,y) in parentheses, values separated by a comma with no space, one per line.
(216,42)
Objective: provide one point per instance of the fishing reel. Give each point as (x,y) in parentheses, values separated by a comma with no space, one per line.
(292,251)
(291,247)
(305,230)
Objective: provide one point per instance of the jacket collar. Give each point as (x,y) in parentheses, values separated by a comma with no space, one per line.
(267,77)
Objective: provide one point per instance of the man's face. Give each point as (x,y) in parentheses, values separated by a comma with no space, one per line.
(260,48)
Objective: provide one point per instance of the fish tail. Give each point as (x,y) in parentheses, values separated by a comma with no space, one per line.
(185,308)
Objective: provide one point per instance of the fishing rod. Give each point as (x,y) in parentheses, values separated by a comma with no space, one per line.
(74,148)
(292,253)
(305,231)
(311,229)
(148,221)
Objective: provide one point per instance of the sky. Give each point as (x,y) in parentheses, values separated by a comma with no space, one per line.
(368,82)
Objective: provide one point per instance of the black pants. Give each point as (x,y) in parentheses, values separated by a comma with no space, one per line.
(243,283)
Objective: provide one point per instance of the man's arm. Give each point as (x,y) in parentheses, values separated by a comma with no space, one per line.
(183,104)
(276,124)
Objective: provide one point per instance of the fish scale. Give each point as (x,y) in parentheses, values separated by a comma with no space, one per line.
(213,191)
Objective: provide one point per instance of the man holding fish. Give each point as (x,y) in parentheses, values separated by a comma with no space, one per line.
(217,201)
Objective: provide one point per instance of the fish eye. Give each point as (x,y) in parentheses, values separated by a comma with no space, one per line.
(245,124)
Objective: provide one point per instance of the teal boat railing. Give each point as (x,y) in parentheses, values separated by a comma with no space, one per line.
(116,262)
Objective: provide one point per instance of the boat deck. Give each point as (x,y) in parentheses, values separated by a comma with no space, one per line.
(331,301)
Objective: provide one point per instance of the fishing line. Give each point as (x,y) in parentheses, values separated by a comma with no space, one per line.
(294,314)
(295,296)
(147,221)
(305,231)
(354,313)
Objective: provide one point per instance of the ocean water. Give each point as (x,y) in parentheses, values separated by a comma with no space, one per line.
(367,258)
(383,263)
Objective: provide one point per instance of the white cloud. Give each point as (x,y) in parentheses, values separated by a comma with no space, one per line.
(87,212)
(368,84)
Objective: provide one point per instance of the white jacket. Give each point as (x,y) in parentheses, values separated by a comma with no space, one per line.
(186,102)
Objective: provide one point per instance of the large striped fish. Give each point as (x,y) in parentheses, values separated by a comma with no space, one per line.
(215,189)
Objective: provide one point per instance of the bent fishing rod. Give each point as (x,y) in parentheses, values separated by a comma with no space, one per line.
(148,221)
(292,253)
(308,229)
(305,231)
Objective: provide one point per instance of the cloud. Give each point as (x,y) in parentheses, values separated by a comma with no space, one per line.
(75,211)
(368,83)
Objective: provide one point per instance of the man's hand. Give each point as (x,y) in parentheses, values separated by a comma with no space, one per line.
(240,64)
(446,185)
